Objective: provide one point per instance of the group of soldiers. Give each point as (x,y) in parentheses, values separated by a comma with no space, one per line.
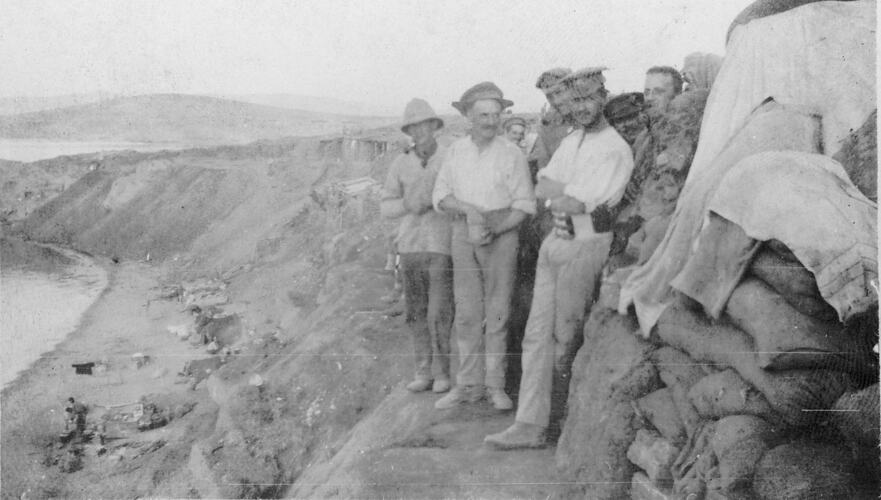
(604,176)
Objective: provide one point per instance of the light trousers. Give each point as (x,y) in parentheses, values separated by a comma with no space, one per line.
(566,278)
(483,280)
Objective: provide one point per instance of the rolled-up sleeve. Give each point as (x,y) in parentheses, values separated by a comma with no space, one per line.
(443,184)
(520,185)
(608,187)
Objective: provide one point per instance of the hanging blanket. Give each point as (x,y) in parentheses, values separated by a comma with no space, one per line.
(807,202)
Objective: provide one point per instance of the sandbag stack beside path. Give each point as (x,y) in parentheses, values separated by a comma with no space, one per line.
(740,417)
(760,302)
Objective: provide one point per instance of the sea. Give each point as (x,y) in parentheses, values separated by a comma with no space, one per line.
(39,309)
(28,150)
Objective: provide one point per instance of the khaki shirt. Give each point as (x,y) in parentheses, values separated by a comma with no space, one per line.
(429,231)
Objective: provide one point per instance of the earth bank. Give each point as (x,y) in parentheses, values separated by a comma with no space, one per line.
(252,288)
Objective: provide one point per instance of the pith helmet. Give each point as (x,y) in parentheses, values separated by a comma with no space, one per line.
(418,111)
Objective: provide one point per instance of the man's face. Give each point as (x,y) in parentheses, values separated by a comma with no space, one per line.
(557,99)
(422,132)
(630,128)
(485,116)
(516,133)
(584,111)
(659,91)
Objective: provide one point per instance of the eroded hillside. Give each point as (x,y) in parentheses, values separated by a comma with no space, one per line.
(286,260)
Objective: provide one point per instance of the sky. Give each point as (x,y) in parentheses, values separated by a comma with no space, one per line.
(380,52)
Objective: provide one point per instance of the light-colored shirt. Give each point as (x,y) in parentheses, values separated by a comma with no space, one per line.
(595,168)
(426,232)
(492,179)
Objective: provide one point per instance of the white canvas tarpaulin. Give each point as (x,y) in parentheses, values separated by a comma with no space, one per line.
(771,128)
(818,59)
(819,56)
(807,202)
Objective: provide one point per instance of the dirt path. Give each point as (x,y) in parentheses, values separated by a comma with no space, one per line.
(408,449)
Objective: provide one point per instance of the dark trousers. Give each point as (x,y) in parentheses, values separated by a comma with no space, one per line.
(428,294)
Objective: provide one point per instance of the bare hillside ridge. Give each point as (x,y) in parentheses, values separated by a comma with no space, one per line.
(190,119)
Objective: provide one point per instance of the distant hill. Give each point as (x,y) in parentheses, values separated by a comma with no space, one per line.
(29,104)
(308,103)
(176,118)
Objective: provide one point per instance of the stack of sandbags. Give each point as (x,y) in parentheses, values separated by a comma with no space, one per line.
(777,267)
(786,338)
(728,404)
(798,396)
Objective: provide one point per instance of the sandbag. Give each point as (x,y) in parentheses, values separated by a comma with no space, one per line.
(679,372)
(660,410)
(654,455)
(786,339)
(807,470)
(739,442)
(795,394)
(676,367)
(793,282)
(726,393)
(855,415)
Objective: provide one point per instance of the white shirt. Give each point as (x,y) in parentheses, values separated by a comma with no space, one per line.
(492,179)
(595,168)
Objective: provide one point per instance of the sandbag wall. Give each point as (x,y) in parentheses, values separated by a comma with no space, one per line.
(777,399)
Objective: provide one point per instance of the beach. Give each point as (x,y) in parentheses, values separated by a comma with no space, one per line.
(41,303)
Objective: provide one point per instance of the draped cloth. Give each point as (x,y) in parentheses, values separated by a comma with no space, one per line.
(819,61)
(772,127)
(820,56)
(702,69)
(808,202)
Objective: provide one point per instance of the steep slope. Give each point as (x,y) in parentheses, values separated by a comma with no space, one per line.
(301,272)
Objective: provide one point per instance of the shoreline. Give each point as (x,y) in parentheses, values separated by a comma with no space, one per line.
(120,321)
(91,278)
